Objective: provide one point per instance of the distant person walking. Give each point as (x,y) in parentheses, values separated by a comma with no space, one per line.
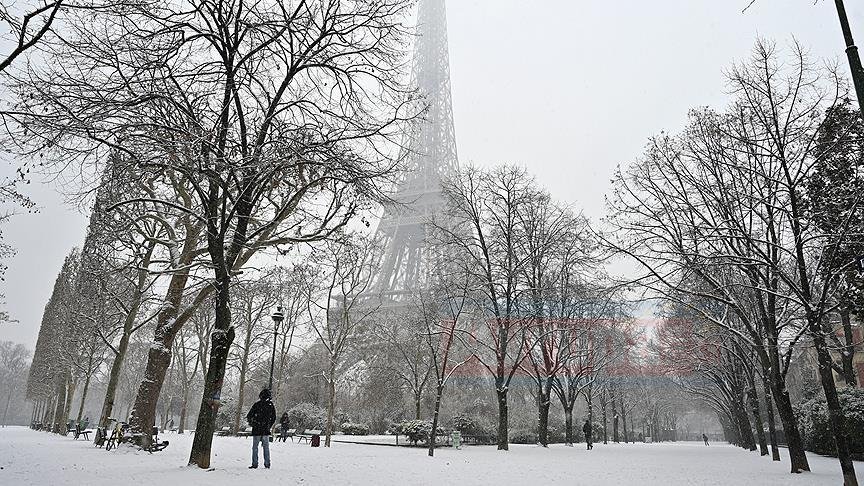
(586,429)
(705,438)
(261,417)
(284,423)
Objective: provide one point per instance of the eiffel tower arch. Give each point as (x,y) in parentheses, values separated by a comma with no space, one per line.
(431,158)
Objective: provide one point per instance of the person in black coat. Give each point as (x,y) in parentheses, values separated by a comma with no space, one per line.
(586,429)
(261,418)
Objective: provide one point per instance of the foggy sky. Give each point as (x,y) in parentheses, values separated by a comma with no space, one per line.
(568,88)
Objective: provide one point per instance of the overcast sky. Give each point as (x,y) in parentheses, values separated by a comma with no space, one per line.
(568,88)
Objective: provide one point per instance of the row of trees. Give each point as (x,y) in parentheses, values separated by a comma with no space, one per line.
(239,127)
(748,224)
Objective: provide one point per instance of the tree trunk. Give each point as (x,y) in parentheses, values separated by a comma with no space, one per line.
(757,415)
(67,404)
(184,411)
(603,413)
(147,398)
(847,354)
(623,420)
(568,425)
(439,391)
(169,322)
(543,403)
(331,400)
(747,438)
(797,456)
(114,378)
(58,410)
(835,413)
(614,415)
(772,428)
(503,420)
(83,397)
(221,339)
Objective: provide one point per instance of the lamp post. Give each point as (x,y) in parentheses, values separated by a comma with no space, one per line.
(852,54)
(277,320)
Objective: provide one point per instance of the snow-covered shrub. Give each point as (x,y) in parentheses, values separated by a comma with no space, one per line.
(482,430)
(463,423)
(307,416)
(339,417)
(523,436)
(349,428)
(815,429)
(416,430)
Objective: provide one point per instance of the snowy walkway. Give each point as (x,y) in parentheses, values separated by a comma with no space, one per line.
(38,458)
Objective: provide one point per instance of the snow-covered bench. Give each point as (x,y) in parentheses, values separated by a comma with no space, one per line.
(308,434)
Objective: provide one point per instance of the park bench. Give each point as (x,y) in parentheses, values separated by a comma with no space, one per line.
(245,432)
(308,434)
(277,433)
(223,431)
(290,433)
(79,431)
(70,427)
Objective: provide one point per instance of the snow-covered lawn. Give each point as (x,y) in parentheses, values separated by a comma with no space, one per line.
(38,458)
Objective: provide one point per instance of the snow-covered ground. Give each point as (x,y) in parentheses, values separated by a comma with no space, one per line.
(38,458)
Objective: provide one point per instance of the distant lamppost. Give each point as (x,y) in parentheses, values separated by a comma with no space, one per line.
(277,320)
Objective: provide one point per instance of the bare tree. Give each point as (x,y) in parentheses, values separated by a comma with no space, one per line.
(345,269)
(14,360)
(440,310)
(484,210)
(723,204)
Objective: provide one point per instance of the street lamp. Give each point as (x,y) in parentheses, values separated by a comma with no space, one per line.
(852,54)
(277,319)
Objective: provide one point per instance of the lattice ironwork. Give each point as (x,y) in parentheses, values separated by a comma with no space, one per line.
(431,158)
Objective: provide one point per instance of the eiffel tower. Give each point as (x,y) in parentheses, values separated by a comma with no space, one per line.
(431,159)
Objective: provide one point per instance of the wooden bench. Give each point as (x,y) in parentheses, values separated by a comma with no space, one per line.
(290,433)
(81,432)
(245,432)
(223,431)
(308,434)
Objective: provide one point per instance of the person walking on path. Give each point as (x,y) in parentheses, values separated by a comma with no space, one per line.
(705,438)
(261,417)
(586,429)
(284,423)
